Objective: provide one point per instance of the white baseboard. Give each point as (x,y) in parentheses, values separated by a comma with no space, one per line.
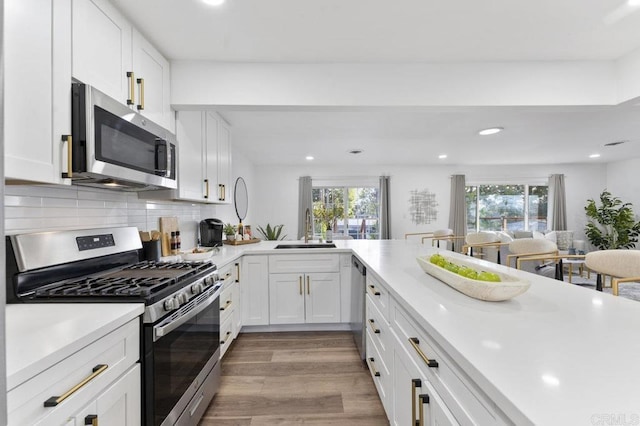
(294,327)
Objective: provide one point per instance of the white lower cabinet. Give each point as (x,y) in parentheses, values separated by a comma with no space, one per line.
(254,290)
(304,298)
(101,381)
(415,401)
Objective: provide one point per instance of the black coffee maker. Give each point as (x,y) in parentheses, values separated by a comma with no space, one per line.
(211,232)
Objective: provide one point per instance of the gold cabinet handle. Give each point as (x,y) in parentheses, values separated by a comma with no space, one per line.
(416,345)
(372,366)
(237,272)
(55,400)
(226,336)
(226,305)
(206,191)
(91,419)
(372,290)
(69,140)
(415,383)
(308,285)
(373,327)
(132,88)
(422,399)
(300,284)
(140,82)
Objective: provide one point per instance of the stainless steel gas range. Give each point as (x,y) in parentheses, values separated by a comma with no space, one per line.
(180,328)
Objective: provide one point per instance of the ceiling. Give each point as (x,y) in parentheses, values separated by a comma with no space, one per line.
(408,31)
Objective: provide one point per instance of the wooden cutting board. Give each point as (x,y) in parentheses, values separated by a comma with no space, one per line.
(167,226)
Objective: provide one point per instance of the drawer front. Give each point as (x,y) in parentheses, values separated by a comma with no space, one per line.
(379,295)
(380,373)
(226,273)
(118,350)
(226,335)
(303,263)
(380,331)
(463,402)
(227,303)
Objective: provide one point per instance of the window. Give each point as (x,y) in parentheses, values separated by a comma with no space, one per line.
(348,210)
(507,207)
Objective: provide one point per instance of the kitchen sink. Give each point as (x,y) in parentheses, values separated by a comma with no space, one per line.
(306,246)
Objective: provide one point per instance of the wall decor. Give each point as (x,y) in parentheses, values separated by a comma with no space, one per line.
(422,206)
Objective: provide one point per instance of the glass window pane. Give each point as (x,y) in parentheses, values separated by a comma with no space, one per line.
(538,199)
(501,207)
(348,211)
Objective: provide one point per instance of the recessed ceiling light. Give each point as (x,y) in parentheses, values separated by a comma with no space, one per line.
(213,2)
(309,157)
(594,156)
(490,131)
(356,151)
(633,3)
(442,156)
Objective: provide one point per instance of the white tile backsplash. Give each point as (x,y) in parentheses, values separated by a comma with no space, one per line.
(36,208)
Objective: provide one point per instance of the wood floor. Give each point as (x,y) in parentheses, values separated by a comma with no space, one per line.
(301,378)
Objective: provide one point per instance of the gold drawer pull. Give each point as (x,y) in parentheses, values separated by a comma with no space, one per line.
(55,400)
(300,284)
(373,327)
(237,272)
(308,286)
(226,305)
(422,399)
(226,336)
(415,383)
(91,419)
(416,345)
(372,367)
(206,191)
(140,82)
(373,290)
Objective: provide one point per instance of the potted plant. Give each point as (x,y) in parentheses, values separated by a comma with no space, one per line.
(230,231)
(612,225)
(272,233)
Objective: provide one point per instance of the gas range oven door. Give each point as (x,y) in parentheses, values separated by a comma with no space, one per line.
(181,362)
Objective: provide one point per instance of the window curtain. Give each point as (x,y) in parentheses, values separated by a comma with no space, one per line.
(385,222)
(305,201)
(458,209)
(559,203)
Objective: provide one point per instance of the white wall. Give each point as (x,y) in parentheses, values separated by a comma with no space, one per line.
(623,181)
(277,190)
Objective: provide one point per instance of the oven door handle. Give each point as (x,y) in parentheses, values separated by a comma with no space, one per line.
(162,330)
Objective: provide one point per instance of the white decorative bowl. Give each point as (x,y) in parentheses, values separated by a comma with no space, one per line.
(201,255)
(509,286)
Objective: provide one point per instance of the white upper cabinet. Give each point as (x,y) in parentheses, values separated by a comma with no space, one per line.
(109,54)
(37,89)
(204,160)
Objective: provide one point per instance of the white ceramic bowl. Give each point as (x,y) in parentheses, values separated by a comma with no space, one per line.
(509,286)
(190,256)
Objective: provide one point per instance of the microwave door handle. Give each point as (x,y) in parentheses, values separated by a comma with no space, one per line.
(166,171)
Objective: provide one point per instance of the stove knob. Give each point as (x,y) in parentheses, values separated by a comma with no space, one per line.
(197,288)
(171,304)
(182,298)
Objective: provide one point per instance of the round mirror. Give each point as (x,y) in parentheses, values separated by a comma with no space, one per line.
(241,199)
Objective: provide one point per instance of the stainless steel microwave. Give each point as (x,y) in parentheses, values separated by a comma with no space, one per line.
(113,146)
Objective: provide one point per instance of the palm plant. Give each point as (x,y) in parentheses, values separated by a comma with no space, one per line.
(612,225)
(271,233)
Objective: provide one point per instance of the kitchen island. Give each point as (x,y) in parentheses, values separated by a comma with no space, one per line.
(557,354)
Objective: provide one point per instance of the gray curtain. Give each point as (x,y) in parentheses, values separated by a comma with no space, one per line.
(305,201)
(385,221)
(558,202)
(458,209)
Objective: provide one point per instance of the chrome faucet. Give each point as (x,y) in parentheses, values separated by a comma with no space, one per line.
(307,225)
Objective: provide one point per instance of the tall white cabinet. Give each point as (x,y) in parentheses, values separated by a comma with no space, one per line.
(37,89)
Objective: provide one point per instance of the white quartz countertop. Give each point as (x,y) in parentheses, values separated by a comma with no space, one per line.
(557,354)
(40,335)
